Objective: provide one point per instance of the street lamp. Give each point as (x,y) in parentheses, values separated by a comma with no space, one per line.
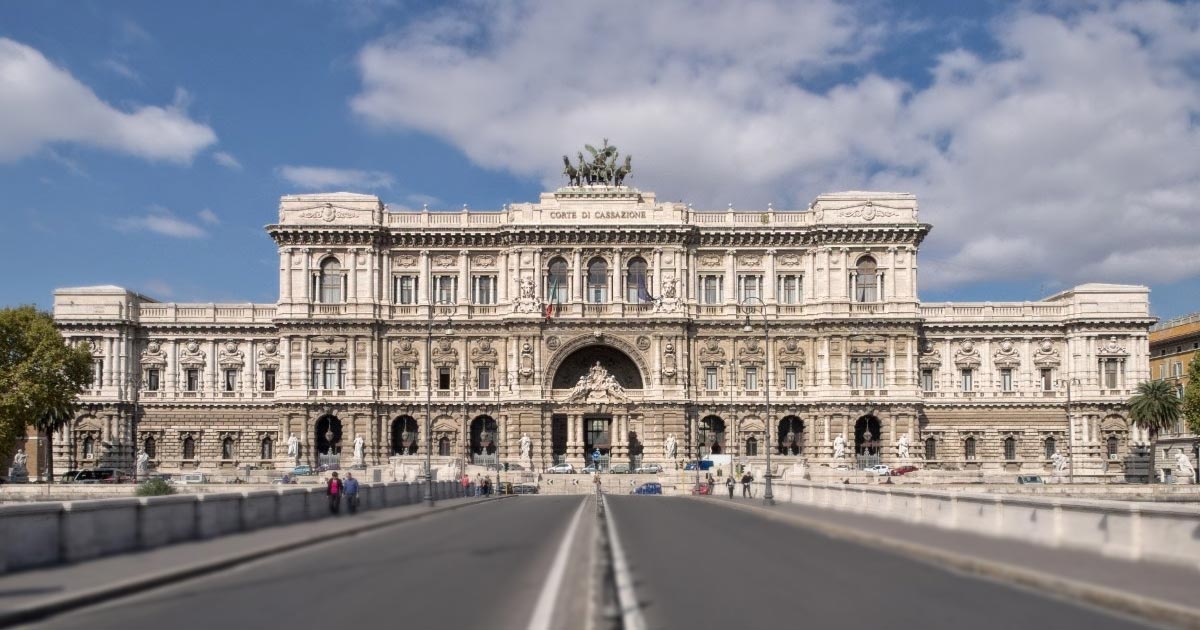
(135,385)
(768,495)
(429,401)
(1070,427)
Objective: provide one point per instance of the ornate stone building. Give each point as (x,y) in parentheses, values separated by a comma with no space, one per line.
(600,318)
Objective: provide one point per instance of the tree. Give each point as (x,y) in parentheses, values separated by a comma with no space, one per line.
(1191,396)
(1155,408)
(41,377)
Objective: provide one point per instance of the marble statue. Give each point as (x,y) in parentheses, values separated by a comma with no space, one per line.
(839,446)
(358,449)
(20,461)
(1184,466)
(526,448)
(672,447)
(902,447)
(527,301)
(293,451)
(1060,462)
(143,464)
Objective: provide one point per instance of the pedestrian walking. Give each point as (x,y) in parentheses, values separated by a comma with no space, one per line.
(712,483)
(729,486)
(351,488)
(466,483)
(746,479)
(333,490)
(478,484)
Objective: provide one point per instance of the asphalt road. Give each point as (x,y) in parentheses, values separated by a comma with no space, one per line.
(483,566)
(695,564)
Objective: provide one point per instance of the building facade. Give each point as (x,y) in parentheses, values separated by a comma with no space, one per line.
(1173,345)
(602,320)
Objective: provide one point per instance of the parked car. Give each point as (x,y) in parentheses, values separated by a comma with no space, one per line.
(619,468)
(303,470)
(525,488)
(504,487)
(328,467)
(590,469)
(69,476)
(700,488)
(904,470)
(102,475)
(511,467)
(561,469)
(187,479)
(651,487)
(286,479)
(1027,479)
(879,469)
(703,464)
(648,469)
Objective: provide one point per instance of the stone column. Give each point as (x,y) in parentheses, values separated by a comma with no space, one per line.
(464,277)
(657,289)
(731,283)
(424,289)
(769,293)
(619,276)
(577,276)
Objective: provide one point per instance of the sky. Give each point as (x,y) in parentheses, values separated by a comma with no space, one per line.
(146,143)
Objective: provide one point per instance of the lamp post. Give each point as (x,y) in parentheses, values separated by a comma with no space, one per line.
(135,386)
(429,401)
(1070,428)
(768,494)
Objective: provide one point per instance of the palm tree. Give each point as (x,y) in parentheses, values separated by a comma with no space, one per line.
(49,423)
(1155,408)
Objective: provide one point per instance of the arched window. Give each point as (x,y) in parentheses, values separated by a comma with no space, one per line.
(969,447)
(330,281)
(558,283)
(751,447)
(712,436)
(1010,447)
(89,447)
(597,281)
(637,285)
(444,446)
(266,450)
(1112,445)
(930,448)
(227,448)
(189,448)
(1051,447)
(150,447)
(866,280)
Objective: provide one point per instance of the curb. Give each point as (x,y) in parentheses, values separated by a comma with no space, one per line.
(51,607)
(1144,608)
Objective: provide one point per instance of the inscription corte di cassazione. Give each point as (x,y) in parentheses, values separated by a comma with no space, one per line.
(598,215)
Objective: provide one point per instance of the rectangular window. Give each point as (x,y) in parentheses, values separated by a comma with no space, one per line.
(152,380)
(230,380)
(1110,373)
(484,291)
(269,380)
(967,384)
(444,378)
(445,290)
(749,287)
(1162,371)
(711,289)
(1006,379)
(329,374)
(866,373)
(969,448)
(483,378)
(752,379)
(710,378)
(191,379)
(927,380)
(789,379)
(1177,369)
(788,289)
(405,290)
(404,378)
(1047,381)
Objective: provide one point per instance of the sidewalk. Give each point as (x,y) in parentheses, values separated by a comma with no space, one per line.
(30,595)
(1161,592)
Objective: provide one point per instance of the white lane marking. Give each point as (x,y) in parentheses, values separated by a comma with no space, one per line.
(543,611)
(631,612)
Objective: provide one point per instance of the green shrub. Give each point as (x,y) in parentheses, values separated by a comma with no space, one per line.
(155,488)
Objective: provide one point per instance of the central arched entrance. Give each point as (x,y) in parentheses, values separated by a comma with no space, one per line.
(791,436)
(577,364)
(328,439)
(866,441)
(405,436)
(484,436)
(711,436)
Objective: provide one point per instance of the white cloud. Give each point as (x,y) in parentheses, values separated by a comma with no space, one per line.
(323,178)
(42,105)
(227,160)
(1062,153)
(209,217)
(162,221)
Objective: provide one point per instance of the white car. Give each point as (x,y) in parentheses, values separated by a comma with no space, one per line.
(879,469)
(648,469)
(560,469)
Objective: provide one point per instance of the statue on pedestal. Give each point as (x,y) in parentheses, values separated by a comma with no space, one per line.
(902,447)
(293,445)
(1060,462)
(19,470)
(358,450)
(839,446)
(143,464)
(672,447)
(1184,466)
(527,450)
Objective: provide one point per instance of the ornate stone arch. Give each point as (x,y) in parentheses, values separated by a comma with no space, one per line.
(582,341)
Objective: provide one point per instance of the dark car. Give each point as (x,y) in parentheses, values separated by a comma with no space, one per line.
(650,487)
(102,475)
(904,470)
(703,464)
(525,488)
(69,476)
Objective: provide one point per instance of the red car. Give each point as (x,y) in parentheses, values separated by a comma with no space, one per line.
(700,488)
(904,470)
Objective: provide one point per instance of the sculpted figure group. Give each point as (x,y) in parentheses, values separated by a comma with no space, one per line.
(602,168)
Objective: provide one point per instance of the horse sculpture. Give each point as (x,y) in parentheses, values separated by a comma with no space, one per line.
(571,172)
(620,172)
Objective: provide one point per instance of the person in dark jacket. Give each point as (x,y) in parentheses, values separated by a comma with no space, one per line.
(729,486)
(334,490)
(351,490)
(746,479)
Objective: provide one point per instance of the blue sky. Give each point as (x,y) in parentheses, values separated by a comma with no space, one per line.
(145,144)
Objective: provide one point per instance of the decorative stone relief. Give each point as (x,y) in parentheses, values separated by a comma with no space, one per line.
(711,353)
(483,353)
(527,301)
(445,354)
(750,260)
(1006,356)
(930,358)
(552,342)
(669,362)
(598,386)
(643,343)
(405,261)
(788,260)
(230,356)
(1112,348)
(751,353)
(710,260)
(444,260)
(192,356)
(526,362)
(404,354)
(484,261)
(1046,355)
(328,347)
(154,355)
(327,213)
(790,353)
(668,302)
(967,355)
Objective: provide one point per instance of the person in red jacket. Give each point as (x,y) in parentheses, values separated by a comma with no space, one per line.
(334,490)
